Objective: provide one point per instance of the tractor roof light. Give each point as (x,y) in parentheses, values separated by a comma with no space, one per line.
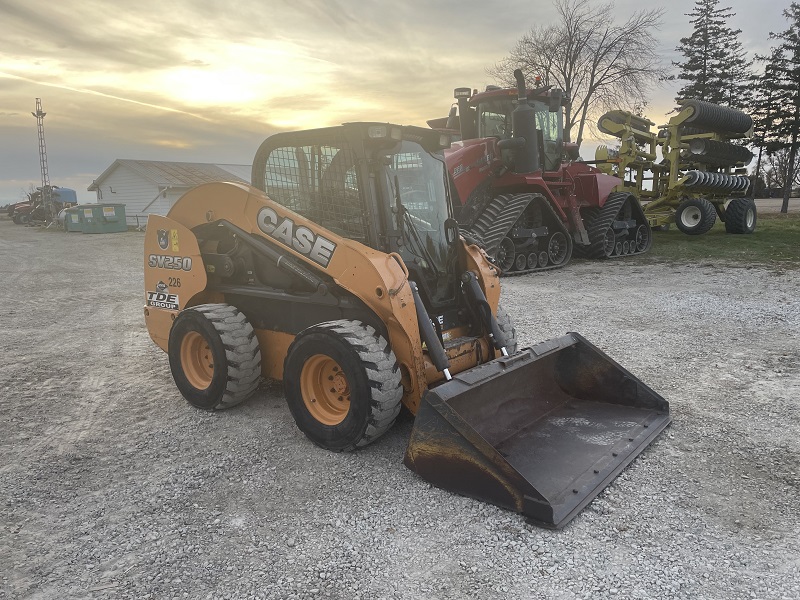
(462,92)
(377,132)
(383,132)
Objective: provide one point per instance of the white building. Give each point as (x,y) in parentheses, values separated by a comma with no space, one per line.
(150,186)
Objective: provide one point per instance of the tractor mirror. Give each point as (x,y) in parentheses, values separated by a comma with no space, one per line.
(556,96)
(451,230)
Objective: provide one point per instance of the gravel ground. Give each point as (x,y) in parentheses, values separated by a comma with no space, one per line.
(112,486)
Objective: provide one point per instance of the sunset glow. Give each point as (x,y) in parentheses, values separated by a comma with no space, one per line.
(195,82)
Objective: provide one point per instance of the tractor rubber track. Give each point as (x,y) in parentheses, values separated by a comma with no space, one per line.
(498,217)
(601,224)
(502,213)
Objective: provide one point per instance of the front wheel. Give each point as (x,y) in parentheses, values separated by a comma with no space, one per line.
(642,239)
(342,384)
(214,356)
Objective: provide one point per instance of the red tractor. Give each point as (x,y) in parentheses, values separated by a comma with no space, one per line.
(524,194)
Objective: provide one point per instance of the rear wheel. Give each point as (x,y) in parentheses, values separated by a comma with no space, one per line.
(214,356)
(505,254)
(558,248)
(342,384)
(695,216)
(740,216)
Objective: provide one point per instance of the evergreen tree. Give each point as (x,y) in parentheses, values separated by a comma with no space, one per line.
(762,110)
(782,112)
(716,66)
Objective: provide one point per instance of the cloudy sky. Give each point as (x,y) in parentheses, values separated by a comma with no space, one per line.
(207,81)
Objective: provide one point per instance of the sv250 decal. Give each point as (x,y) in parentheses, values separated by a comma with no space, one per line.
(179,263)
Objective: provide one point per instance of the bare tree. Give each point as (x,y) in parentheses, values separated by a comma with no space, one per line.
(776,169)
(600,65)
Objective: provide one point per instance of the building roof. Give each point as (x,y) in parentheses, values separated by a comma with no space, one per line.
(177,174)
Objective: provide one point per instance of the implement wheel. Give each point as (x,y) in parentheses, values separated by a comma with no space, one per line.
(342,384)
(214,356)
(740,216)
(695,216)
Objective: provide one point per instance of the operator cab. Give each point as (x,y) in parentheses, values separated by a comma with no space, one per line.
(382,185)
(491,111)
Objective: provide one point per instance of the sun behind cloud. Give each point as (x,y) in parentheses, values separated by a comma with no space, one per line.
(244,77)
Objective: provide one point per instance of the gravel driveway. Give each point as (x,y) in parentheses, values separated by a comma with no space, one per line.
(112,486)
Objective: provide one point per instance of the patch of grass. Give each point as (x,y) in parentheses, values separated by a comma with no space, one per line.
(775,242)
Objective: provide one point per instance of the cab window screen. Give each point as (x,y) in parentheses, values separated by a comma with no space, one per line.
(319,182)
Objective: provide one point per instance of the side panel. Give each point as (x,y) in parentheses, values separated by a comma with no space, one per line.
(470,164)
(379,280)
(594,188)
(274,345)
(173,274)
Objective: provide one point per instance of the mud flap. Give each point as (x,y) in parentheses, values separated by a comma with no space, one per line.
(541,432)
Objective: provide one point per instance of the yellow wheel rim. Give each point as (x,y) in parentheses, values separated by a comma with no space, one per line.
(325,389)
(197,360)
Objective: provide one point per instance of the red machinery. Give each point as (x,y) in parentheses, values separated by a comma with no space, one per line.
(524,193)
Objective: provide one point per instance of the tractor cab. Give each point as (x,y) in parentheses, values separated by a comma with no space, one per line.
(489,114)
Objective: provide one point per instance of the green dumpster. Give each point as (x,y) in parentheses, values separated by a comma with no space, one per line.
(103,218)
(72,219)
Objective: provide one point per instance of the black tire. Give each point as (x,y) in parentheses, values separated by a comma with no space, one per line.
(695,216)
(214,356)
(367,384)
(741,216)
(506,325)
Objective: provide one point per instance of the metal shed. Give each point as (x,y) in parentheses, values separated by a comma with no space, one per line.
(149,186)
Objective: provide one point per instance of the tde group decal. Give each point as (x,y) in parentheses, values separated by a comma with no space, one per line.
(161,298)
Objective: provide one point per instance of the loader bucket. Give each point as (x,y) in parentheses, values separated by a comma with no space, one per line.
(541,432)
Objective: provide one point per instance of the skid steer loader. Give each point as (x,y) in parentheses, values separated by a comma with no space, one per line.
(341,272)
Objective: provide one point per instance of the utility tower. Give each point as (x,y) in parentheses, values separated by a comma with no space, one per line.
(47,196)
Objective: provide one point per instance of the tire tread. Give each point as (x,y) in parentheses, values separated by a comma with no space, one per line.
(242,352)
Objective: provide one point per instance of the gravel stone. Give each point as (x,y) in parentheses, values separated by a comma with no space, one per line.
(112,486)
